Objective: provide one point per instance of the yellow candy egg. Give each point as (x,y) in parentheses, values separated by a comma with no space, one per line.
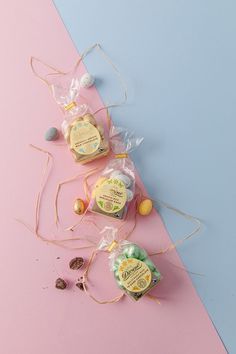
(79,206)
(145,207)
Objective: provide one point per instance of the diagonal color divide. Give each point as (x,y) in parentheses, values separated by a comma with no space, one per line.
(35,318)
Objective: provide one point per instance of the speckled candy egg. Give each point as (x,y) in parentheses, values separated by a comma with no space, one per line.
(116,173)
(129,194)
(118,261)
(142,254)
(51,134)
(157,274)
(116,273)
(87,80)
(125,179)
(132,251)
(150,265)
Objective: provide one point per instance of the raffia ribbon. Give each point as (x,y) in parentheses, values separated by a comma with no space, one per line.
(54,70)
(121,156)
(63,242)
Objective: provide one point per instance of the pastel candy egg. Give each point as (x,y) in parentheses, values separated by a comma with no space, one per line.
(125,179)
(87,80)
(150,265)
(51,134)
(132,251)
(129,194)
(157,274)
(119,259)
(114,267)
(116,173)
(145,207)
(142,254)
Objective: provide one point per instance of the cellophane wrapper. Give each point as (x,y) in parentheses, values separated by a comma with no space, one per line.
(85,134)
(133,270)
(115,188)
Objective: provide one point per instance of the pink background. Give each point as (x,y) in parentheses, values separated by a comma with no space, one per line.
(35,317)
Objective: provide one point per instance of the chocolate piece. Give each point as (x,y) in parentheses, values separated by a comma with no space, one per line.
(76,263)
(60,284)
(80,286)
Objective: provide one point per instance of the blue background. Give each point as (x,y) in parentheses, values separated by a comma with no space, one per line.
(178,58)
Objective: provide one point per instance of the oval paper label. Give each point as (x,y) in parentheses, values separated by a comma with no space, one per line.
(111,195)
(84,138)
(134,275)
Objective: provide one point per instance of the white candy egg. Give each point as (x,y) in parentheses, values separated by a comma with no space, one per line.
(87,80)
(125,179)
(130,195)
(116,173)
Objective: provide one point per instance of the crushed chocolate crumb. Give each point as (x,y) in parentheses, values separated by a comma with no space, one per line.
(60,284)
(76,263)
(80,285)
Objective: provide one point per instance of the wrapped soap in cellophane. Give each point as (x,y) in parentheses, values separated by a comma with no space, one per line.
(115,188)
(86,137)
(133,270)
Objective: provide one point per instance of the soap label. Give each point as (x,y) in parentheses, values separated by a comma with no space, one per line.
(111,195)
(135,276)
(84,138)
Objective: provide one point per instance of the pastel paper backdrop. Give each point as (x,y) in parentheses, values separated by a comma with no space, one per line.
(35,317)
(178,59)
